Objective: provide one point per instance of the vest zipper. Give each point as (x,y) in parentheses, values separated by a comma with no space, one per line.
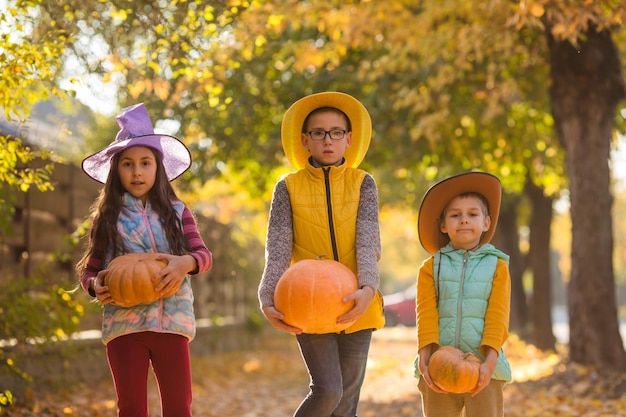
(146,220)
(459,306)
(329,205)
(144,214)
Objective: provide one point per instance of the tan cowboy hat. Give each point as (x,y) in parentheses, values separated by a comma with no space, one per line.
(440,194)
(136,130)
(291,129)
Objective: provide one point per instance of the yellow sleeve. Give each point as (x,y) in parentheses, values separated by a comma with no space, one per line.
(426,306)
(499,309)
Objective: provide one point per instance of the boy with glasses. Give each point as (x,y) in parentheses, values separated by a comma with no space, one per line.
(329,207)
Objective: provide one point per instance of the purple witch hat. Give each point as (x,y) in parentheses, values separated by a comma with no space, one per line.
(137,130)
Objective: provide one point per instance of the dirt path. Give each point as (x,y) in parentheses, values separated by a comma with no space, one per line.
(266,382)
(271,381)
(390,388)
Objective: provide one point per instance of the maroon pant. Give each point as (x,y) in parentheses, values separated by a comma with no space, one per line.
(130,357)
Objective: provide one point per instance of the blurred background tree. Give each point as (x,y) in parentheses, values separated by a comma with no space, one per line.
(528,90)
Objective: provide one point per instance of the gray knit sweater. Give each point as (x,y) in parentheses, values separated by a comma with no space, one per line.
(279,241)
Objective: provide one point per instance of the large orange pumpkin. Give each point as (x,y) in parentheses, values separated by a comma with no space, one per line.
(310,293)
(130,279)
(453,370)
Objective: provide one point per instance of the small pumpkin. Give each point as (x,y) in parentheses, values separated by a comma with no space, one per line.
(453,370)
(130,279)
(310,293)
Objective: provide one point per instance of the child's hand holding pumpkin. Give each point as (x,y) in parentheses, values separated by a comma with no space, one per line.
(486,370)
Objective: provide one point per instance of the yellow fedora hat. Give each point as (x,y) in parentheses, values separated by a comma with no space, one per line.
(439,195)
(291,129)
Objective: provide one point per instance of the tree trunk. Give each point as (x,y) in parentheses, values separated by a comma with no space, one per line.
(507,240)
(587,84)
(539,262)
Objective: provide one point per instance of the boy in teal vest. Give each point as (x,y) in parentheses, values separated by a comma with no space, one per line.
(327,207)
(463,292)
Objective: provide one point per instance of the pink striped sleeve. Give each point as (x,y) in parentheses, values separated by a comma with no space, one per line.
(197,247)
(94,263)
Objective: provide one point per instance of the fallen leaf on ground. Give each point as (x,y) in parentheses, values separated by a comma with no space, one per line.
(271,381)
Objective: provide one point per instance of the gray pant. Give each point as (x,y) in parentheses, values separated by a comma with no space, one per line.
(336,365)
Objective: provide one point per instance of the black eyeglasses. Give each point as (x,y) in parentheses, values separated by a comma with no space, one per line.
(335,134)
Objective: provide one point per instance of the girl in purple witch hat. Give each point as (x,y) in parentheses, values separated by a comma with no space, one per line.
(138,212)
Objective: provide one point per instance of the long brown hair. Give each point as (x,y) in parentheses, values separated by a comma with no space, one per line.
(107,206)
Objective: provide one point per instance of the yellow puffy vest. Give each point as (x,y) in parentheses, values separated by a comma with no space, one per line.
(324,203)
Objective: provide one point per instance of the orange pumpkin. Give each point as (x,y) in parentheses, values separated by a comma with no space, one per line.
(310,293)
(130,279)
(453,370)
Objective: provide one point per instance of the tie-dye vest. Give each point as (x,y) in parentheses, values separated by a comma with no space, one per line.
(141,230)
